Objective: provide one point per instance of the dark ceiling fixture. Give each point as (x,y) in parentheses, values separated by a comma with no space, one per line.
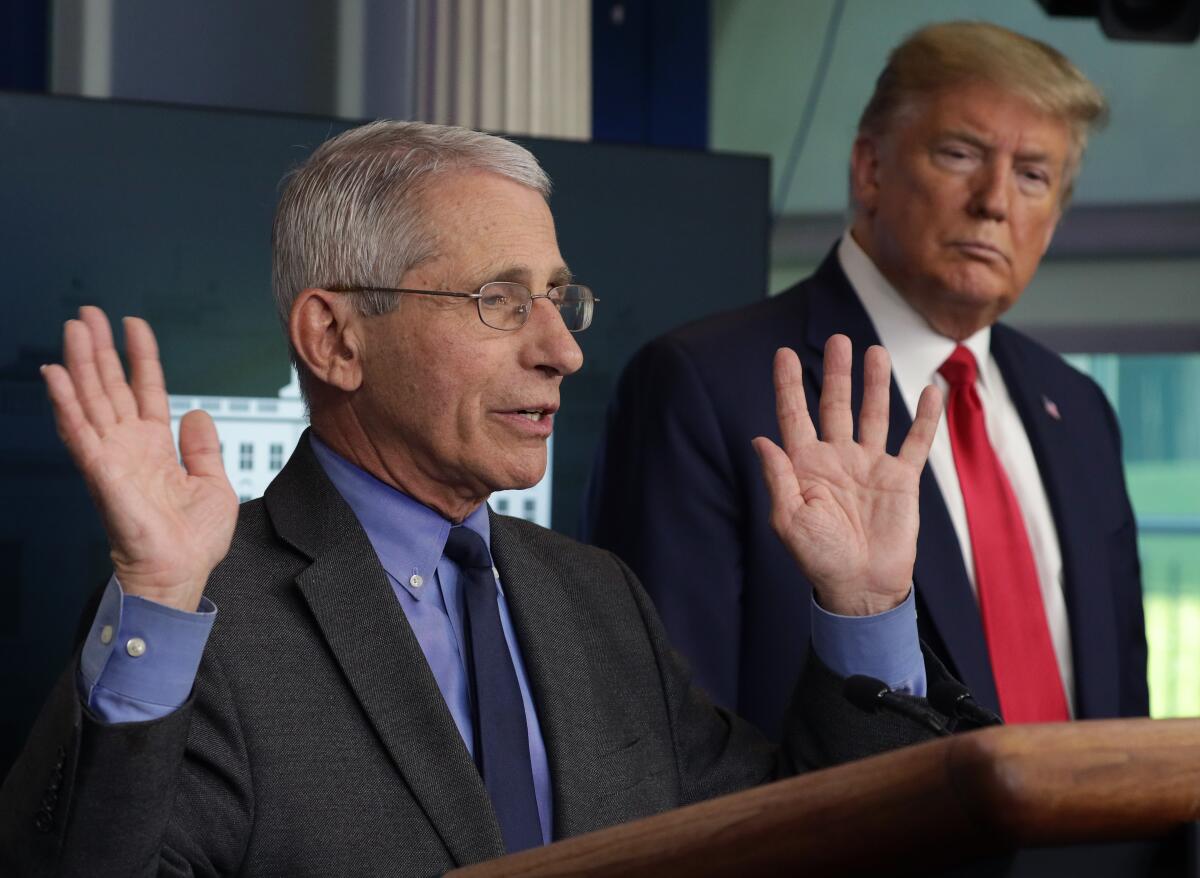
(1166,21)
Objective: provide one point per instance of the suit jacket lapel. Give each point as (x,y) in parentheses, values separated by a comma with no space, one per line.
(939,575)
(548,625)
(1089,605)
(368,633)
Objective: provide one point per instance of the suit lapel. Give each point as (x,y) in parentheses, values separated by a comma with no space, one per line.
(1090,611)
(548,624)
(368,633)
(944,593)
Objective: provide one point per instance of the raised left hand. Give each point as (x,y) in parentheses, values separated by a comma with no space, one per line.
(847,511)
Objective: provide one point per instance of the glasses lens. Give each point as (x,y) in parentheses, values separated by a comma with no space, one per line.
(504,305)
(575,306)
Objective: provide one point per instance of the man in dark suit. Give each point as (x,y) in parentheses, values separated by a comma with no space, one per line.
(400,681)
(1027,574)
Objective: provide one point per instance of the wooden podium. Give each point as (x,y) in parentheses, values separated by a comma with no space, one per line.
(1064,799)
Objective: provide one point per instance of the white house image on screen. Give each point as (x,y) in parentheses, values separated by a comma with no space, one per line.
(259,434)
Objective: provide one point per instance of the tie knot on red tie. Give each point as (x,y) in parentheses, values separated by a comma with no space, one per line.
(960,368)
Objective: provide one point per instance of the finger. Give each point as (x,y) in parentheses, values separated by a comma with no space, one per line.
(837,424)
(791,409)
(915,449)
(80,360)
(877,388)
(780,476)
(72,424)
(145,370)
(199,446)
(108,363)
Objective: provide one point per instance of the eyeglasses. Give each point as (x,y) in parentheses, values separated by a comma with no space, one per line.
(506,306)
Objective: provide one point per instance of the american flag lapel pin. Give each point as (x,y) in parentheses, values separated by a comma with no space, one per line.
(1051,408)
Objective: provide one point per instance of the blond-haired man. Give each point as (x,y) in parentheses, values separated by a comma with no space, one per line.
(1027,574)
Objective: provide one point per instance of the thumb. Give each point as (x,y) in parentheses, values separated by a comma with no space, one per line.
(779,474)
(199,446)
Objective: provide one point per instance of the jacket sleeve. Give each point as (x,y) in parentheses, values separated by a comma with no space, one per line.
(719,753)
(168,797)
(1126,572)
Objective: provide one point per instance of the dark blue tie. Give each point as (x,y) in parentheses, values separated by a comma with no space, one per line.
(501,737)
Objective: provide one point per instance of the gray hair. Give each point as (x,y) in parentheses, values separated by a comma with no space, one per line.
(352,213)
(957,53)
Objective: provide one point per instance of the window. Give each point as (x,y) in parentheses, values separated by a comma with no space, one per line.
(246,456)
(1154,396)
(530,513)
(276,461)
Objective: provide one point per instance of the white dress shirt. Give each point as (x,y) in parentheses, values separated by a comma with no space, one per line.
(917,351)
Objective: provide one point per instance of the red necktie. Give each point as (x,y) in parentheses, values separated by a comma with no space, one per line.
(1010,599)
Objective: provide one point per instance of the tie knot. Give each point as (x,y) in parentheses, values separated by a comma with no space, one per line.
(960,369)
(467,549)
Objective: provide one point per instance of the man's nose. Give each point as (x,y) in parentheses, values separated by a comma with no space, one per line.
(991,191)
(551,346)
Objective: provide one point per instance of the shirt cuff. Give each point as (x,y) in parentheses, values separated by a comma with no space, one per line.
(884,646)
(140,657)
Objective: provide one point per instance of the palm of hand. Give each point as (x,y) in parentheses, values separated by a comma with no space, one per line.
(847,510)
(168,524)
(160,519)
(854,519)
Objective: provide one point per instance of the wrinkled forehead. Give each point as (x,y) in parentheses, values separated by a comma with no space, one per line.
(486,226)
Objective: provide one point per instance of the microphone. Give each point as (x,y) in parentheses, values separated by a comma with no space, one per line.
(954,699)
(871,695)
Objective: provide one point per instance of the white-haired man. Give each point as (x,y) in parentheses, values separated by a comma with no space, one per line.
(399,681)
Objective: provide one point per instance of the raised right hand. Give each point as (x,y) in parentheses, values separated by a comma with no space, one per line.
(168,525)
(846,509)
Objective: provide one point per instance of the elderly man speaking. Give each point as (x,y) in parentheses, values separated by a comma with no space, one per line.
(367,671)
(1027,577)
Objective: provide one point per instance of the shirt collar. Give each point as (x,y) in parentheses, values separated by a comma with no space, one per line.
(407,535)
(917,351)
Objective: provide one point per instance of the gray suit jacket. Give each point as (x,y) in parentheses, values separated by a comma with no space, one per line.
(316,741)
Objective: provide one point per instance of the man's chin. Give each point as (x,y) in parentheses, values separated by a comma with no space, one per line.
(977,287)
(519,479)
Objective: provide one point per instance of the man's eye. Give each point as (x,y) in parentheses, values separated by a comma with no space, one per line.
(494,300)
(1034,180)
(955,153)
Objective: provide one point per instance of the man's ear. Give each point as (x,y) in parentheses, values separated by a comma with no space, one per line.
(325,340)
(864,173)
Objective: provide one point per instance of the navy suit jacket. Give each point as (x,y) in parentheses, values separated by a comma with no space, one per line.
(678,494)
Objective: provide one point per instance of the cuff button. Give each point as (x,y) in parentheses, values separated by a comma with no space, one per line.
(136,647)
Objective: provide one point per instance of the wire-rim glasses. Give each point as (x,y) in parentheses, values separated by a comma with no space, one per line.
(506,306)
